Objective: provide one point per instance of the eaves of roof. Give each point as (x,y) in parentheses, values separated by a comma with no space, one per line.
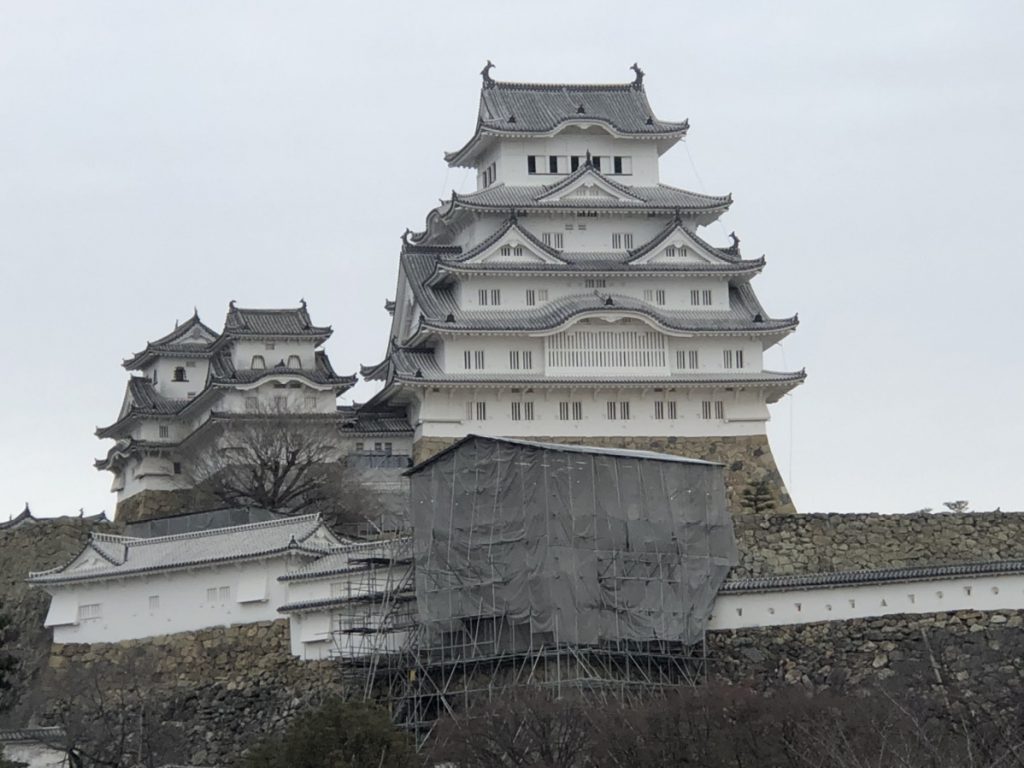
(875,576)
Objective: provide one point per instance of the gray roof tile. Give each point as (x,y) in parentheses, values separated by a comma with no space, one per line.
(510,109)
(272,322)
(127,555)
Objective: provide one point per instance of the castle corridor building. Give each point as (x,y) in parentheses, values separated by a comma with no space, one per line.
(572,298)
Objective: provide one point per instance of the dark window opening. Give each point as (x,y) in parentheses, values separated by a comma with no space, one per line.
(617,164)
(597,162)
(531,164)
(553,164)
(177,467)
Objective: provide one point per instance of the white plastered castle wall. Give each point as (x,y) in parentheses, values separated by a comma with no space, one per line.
(126,611)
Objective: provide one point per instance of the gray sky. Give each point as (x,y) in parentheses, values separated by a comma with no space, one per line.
(156,156)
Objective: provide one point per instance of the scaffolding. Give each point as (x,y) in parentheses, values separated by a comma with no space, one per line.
(582,570)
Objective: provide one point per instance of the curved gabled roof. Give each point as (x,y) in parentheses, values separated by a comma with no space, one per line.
(193,338)
(142,399)
(224,373)
(530,109)
(660,198)
(272,322)
(124,555)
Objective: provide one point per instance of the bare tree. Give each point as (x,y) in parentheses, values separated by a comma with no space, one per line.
(109,719)
(268,460)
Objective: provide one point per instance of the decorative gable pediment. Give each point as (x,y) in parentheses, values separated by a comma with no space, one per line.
(679,247)
(514,247)
(589,186)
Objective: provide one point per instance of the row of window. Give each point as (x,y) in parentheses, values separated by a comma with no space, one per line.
(563,164)
(492,297)
(259,363)
(280,403)
(615,410)
(94,611)
(385,448)
(594,349)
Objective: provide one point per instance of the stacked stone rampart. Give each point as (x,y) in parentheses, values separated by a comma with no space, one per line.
(815,543)
(35,545)
(218,690)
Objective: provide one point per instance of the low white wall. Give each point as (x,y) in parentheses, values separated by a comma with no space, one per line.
(805,606)
(125,612)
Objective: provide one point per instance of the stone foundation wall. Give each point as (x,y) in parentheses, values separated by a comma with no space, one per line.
(747,459)
(34,546)
(958,655)
(147,505)
(218,690)
(810,543)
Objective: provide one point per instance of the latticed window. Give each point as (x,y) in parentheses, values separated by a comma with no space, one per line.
(522,411)
(687,358)
(606,349)
(705,297)
(570,410)
(712,409)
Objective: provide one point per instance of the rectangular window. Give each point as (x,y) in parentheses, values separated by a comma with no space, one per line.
(542,294)
(622,164)
(269,345)
(531,163)
(513,359)
(388,448)
(522,411)
(687,358)
(581,227)
(310,403)
(727,358)
(570,410)
(165,431)
(252,403)
(595,283)
(705,297)
(715,407)
(622,240)
(552,164)
(89,612)
(378,447)
(481,297)
(596,162)
(659,409)
(612,410)
(467,359)
(211,594)
(224,593)
(478,359)
(739,358)
(176,467)
(154,602)
(603,163)
(671,251)
(528,359)
(694,298)
(575,161)
(481,411)
(616,239)
(672,411)
(190,363)
(531,297)
(624,410)
(496,295)
(553,239)
(659,297)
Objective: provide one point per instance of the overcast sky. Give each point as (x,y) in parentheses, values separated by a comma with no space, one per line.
(156,156)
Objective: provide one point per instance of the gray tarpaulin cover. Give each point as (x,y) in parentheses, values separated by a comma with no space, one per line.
(568,544)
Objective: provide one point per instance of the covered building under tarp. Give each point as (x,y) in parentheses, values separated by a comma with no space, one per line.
(522,545)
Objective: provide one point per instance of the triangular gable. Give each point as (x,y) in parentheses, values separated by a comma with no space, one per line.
(677,247)
(589,185)
(514,247)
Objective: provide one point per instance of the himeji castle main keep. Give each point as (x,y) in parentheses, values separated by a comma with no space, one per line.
(571,297)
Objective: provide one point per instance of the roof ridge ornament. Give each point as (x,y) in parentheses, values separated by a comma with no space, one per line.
(581,110)
(485,73)
(735,247)
(638,81)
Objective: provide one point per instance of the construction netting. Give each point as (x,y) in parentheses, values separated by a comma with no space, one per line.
(564,544)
